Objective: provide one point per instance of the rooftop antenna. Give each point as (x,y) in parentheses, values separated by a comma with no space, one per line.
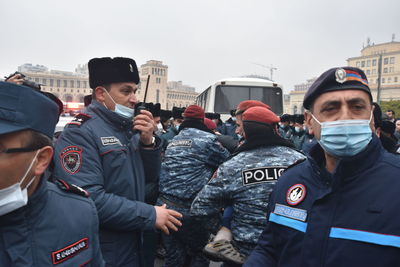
(368,41)
(393,37)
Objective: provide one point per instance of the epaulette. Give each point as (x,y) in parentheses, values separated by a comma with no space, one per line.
(80,119)
(296,163)
(63,185)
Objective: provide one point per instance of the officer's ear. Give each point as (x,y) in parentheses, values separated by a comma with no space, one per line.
(100,93)
(44,158)
(307,121)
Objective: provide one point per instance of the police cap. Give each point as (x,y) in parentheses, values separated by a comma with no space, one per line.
(23,108)
(344,78)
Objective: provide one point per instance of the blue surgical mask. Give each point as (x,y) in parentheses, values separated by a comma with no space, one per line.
(297,129)
(345,138)
(121,109)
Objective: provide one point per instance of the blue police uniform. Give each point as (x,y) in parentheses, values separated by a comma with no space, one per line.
(229,128)
(56,228)
(298,138)
(245,181)
(167,137)
(286,132)
(190,160)
(347,218)
(99,152)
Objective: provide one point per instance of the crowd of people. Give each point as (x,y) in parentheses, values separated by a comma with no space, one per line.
(125,180)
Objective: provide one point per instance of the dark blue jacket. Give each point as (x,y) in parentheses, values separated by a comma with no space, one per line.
(347,218)
(100,153)
(56,228)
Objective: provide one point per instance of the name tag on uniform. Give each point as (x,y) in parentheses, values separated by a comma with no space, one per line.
(69,251)
(110,140)
(290,212)
(262,175)
(182,143)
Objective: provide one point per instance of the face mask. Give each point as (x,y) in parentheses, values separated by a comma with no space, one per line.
(345,138)
(233,118)
(121,109)
(297,129)
(13,197)
(159,127)
(177,126)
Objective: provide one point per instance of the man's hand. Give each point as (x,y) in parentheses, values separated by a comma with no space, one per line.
(17,78)
(145,124)
(167,219)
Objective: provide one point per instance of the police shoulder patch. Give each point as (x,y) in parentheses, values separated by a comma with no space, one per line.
(80,119)
(71,159)
(181,143)
(69,251)
(72,188)
(262,174)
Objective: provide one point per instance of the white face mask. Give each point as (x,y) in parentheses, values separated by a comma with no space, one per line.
(121,109)
(13,197)
(160,127)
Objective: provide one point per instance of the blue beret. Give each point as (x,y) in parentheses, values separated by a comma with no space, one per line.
(108,70)
(335,79)
(23,108)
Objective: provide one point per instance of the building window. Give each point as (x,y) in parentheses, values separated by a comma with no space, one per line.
(391,69)
(392,60)
(44,81)
(158,96)
(72,83)
(362,66)
(58,89)
(368,63)
(51,82)
(374,62)
(383,80)
(395,79)
(84,84)
(51,89)
(386,60)
(65,83)
(385,70)
(152,71)
(58,83)
(65,90)
(77,91)
(389,79)
(78,84)
(37,80)
(373,71)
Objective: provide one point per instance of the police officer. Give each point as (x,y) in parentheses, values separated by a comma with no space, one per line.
(100,152)
(190,160)
(229,126)
(173,130)
(241,108)
(340,206)
(41,223)
(298,134)
(284,127)
(246,180)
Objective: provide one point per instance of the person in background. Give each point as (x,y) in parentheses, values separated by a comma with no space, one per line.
(245,181)
(284,127)
(391,115)
(397,131)
(299,133)
(229,126)
(174,129)
(190,160)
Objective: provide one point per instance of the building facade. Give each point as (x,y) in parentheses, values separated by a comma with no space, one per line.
(386,59)
(296,97)
(157,90)
(67,86)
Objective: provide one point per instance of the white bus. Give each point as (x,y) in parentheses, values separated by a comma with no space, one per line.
(226,94)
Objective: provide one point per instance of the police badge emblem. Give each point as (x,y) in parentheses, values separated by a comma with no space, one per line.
(71,159)
(295,194)
(340,75)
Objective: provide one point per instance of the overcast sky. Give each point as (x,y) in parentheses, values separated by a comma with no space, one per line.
(200,41)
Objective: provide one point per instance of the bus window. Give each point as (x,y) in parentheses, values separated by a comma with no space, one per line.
(228,97)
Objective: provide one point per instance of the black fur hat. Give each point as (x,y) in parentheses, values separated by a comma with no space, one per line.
(177,112)
(108,70)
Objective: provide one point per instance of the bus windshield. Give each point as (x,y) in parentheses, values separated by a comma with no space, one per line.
(227,97)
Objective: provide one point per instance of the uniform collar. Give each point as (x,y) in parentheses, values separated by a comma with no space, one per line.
(110,116)
(36,203)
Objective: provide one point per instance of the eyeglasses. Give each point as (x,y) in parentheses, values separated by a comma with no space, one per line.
(18,150)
